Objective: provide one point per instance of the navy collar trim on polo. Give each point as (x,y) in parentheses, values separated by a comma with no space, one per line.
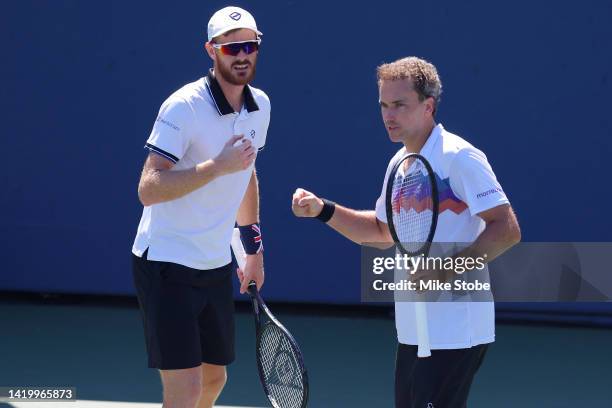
(223,106)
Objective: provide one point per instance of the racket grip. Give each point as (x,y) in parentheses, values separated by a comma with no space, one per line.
(238,249)
(422,329)
(252,287)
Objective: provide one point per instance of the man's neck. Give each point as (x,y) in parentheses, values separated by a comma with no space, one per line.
(233,93)
(415,144)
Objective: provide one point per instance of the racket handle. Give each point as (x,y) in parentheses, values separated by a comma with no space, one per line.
(252,287)
(238,249)
(422,330)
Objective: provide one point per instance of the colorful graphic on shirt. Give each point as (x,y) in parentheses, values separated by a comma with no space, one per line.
(414,194)
(448,200)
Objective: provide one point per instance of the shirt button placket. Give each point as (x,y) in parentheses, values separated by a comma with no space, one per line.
(239,118)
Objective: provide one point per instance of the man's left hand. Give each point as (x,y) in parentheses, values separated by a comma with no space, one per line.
(253,271)
(426,275)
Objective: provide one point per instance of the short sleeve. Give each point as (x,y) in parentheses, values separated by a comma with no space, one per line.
(473,181)
(381,210)
(262,141)
(169,137)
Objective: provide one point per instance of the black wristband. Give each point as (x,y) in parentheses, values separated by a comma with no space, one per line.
(327,212)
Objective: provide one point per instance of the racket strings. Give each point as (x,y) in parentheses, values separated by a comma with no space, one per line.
(282,373)
(412,205)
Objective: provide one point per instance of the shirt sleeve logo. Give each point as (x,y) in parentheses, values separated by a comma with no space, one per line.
(165,122)
(489,192)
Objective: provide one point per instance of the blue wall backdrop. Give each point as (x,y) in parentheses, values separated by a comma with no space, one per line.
(527,82)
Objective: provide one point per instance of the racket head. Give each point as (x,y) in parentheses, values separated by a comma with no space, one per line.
(412,204)
(279,361)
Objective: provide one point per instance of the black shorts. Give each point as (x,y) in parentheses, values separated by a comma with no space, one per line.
(440,381)
(188,314)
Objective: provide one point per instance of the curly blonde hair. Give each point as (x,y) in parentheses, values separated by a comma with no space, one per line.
(423,75)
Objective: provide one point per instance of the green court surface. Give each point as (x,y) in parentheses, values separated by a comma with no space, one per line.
(98,347)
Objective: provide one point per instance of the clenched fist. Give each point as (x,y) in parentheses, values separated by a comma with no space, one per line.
(306,204)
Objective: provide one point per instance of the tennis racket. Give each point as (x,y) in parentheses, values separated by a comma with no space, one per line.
(279,359)
(412,216)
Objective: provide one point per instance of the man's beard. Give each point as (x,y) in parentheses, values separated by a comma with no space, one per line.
(234,77)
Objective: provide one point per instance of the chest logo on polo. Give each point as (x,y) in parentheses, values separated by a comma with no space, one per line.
(252,134)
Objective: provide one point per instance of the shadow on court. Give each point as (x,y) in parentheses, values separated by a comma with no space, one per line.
(97,346)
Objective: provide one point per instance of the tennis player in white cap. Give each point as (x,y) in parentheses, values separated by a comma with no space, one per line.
(198,181)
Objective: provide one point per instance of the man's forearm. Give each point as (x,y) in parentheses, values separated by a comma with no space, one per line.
(157,186)
(248,213)
(361,227)
(498,237)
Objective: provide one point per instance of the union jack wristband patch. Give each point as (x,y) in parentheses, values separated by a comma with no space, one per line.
(250,235)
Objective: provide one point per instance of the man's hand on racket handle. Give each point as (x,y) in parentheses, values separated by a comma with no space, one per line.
(253,270)
(426,275)
(306,204)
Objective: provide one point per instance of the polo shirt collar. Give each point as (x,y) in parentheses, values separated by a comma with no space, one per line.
(431,140)
(223,106)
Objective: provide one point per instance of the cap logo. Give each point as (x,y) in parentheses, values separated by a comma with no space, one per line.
(235,16)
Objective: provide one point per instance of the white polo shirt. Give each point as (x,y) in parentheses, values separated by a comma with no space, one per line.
(193,125)
(466,187)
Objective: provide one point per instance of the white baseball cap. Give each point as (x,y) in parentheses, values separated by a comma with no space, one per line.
(230,18)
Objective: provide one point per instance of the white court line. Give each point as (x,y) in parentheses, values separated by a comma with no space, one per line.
(93,404)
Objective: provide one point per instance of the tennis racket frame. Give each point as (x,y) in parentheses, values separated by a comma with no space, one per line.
(423,347)
(259,306)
